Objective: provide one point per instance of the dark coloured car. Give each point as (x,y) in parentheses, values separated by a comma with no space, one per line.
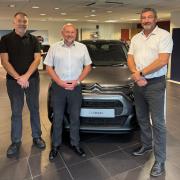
(107,91)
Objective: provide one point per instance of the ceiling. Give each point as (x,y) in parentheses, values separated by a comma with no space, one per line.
(87,10)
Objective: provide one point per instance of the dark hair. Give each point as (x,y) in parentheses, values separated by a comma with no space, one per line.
(149,9)
(40,38)
(20,13)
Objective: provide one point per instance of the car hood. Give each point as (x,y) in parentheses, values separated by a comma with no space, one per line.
(109,76)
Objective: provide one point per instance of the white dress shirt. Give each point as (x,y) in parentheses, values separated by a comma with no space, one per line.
(147,49)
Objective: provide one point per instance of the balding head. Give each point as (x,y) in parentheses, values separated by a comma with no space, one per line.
(68,25)
(69,33)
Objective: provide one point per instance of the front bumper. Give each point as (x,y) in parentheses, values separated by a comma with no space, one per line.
(106,113)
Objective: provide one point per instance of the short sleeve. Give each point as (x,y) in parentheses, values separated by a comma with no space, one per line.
(49,59)
(166,44)
(131,48)
(3,46)
(37,47)
(87,59)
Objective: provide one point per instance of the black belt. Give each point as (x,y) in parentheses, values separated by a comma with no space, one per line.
(156,79)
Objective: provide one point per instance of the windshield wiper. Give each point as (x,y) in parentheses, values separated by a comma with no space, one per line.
(119,64)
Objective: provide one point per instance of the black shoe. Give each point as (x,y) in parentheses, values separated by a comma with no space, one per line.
(53,153)
(142,150)
(39,143)
(157,169)
(79,151)
(13,149)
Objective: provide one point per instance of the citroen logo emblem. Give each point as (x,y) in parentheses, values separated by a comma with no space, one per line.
(96,88)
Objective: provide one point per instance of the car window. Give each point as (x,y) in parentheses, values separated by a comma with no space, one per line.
(107,53)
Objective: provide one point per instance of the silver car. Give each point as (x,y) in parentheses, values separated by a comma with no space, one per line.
(107,105)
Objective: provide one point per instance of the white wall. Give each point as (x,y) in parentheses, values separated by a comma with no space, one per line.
(106,30)
(175,23)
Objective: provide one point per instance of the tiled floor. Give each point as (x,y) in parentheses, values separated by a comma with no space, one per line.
(108,156)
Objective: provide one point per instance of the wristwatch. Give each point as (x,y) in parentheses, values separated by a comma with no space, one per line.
(141,73)
(78,82)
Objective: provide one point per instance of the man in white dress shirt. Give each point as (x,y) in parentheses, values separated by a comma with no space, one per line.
(147,60)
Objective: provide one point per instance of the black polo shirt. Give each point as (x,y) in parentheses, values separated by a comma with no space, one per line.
(20,51)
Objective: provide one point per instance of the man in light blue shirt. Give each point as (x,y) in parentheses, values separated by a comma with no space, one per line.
(68,63)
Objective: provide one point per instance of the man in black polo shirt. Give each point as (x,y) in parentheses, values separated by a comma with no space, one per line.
(20,56)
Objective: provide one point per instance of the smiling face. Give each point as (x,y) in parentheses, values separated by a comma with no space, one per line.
(69,34)
(20,24)
(148,20)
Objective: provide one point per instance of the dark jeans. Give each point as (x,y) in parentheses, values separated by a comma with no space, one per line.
(62,99)
(16,96)
(149,101)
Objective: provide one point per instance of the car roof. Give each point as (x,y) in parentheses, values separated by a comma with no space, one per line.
(102,41)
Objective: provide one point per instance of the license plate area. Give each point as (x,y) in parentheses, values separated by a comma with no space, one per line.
(97,113)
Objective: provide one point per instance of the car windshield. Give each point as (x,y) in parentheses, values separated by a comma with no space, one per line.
(107,53)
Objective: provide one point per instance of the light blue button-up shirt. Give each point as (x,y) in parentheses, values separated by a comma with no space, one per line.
(68,62)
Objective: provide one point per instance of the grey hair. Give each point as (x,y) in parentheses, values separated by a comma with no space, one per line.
(149,9)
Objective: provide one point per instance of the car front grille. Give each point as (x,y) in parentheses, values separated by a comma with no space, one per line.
(103,121)
(88,103)
(103,104)
(97,89)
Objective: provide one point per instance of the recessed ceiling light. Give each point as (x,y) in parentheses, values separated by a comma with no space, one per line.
(56,8)
(42,14)
(71,19)
(35,7)
(93,10)
(111,21)
(92,20)
(63,14)
(109,11)
(92,15)
(11,5)
(134,19)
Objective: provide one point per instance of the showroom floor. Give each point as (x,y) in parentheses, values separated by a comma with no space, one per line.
(108,156)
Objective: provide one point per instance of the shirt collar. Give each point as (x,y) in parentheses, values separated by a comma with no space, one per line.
(154,32)
(64,45)
(25,35)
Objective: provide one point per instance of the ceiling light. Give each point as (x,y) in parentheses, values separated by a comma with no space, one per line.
(109,11)
(42,14)
(92,20)
(35,7)
(134,19)
(92,15)
(93,10)
(56,8)
(11,5)
(111,21)
(71,19)
(63,14)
